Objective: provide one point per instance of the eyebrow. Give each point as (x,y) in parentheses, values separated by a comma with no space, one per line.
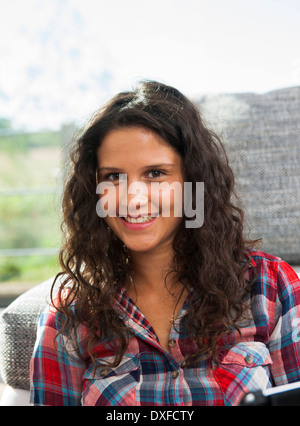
(113,169)
(157,166)
(150,166)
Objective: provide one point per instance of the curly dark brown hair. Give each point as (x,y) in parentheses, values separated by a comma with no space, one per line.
(211,259)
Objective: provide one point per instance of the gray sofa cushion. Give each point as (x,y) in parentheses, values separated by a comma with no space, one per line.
(262,137)
(18,324)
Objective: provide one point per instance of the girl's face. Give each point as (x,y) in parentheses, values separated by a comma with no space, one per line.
(137,168)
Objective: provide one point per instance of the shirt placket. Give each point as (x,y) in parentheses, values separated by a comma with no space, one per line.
(179,392)
(134,319)
(140,326)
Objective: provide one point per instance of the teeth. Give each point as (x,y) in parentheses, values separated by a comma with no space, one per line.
(138,219)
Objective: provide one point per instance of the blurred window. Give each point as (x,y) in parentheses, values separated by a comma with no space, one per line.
(30,198)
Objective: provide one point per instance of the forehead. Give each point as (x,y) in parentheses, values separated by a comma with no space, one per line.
(135,145)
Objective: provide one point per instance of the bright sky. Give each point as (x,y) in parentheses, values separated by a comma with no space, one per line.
(61,59)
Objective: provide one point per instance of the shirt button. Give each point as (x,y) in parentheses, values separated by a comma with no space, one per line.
(175,374)
(249,359)
(172,343)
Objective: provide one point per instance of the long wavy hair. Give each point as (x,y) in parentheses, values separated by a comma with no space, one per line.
(211,259)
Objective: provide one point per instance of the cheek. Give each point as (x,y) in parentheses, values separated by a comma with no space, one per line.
(110,222)
(170,200)
(108,201)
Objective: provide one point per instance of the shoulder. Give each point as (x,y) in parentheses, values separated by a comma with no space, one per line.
(260,257)
(273,276)
(52,316)
(54,325)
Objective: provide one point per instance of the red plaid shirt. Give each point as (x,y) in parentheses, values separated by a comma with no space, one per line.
(266,355)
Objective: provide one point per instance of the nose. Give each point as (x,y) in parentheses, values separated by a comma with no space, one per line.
(133,199)
(137,199)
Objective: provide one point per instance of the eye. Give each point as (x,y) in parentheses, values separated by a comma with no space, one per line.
(112,177)
(155,174)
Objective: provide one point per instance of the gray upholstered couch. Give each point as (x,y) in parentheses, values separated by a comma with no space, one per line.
(262,137)
(18,324)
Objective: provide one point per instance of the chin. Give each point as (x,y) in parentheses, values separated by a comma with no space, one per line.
(140,247)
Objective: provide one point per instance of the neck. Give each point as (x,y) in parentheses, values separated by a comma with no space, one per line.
(150,270)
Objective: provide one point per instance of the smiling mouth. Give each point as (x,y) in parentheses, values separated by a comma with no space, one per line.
(141,219)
